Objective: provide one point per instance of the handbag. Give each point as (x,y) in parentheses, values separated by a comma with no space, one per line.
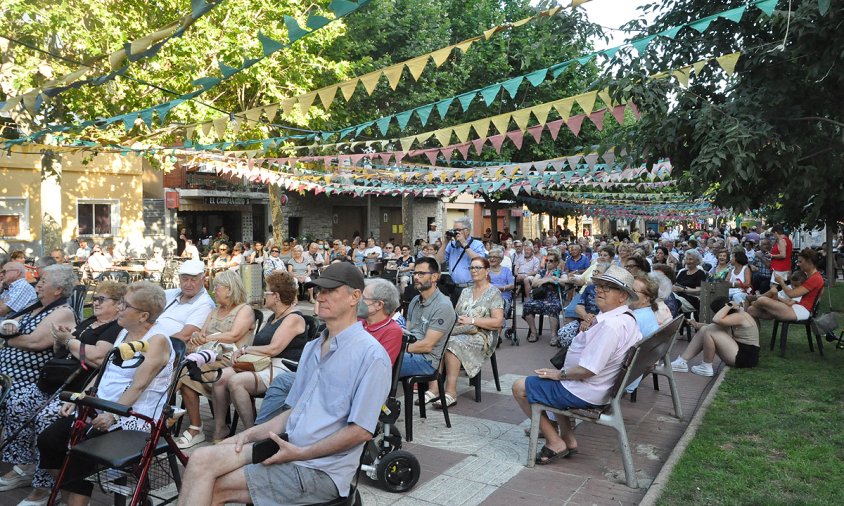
(540,292)
(56,371)
(825,324)
(559,359)
(251,363)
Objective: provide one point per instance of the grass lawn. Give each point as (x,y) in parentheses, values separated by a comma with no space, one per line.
(774,434)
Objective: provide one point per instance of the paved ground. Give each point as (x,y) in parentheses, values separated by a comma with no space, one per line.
(481,458)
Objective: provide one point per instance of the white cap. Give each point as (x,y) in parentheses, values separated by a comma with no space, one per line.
(192,268)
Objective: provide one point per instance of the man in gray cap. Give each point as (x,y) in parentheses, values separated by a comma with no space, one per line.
(593,360)
(187,306)
(334,406)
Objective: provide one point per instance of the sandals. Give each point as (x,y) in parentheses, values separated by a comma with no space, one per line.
(449,402)
(547,455)
(531,338)
(186,440)
(429,397)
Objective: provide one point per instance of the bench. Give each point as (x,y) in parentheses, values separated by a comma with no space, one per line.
(639,358)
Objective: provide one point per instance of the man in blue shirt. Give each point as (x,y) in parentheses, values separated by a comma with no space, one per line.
(458,253)
(576,263)
(336,401)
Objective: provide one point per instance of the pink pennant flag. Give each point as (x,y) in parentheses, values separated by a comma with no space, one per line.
(574,123)
(385,157)
(554,128)
(573,161)
(634,110)
(597,117)
(399,155)
(356,158)
(536,132)
(618,113)
(432,155)
(318,190)
(464,150)
(479,144)
(446,152)
(517,136)
(497,141)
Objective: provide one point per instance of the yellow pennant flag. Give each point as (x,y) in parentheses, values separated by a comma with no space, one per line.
(189,132)
(270,112)
(462,132)
(466,44)
(699,66)
(563,107)
(682,76)
(443,135)
(406,143)
(326,96)
(501,122)
(417,65)
(116,57)
(516,24)
(236,124)
(604,95)
(424,137)
(142,44)
(393,74)
(220,126)
(305,102)
(206,128)
(481,127)
(728,62)
(586,101)
(541,113)
(370,81)
(468,174)
(489,33)
(521,118)
(441,55)
(348,88)
(287,105)
(252,115)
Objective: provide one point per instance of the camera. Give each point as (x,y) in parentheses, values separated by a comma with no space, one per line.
(451,234)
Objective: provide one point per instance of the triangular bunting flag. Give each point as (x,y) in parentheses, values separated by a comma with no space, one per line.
(479,145)
(326,96)
(554,128)
(618,114)
(512,85)
(220,126)
(253,115)
(497,141)
(536,132)
(287,105)
(516,137)
(501,122)
(641,44)
(432,155)
(701,25)
(733,15)
(305,102)
(270,112)
(446,152)
(462,132)
(442,107)
(574,123)
(294,31)
(597,118)
(767,6)
(463,149)
(521,117)
(586,101)
(383,124)
(489,93)
(393,75)
(443,135)
(225,69)
(536,77)
(541,113)
(423,113)
(563,107)
(728,62)
(402,118)
(481,127)
(348,88)
(671,32)
(189,131)
(699,66)
(604,95)
(441,55)
(417,65)
(206,128)
(466,99)
(370,81)
(464,46)
(682,76)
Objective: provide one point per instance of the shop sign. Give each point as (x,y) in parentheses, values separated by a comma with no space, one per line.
(171,200)
(227,201)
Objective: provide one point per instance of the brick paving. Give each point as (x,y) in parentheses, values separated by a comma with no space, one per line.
(481,458)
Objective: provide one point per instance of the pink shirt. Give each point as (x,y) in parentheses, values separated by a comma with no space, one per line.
(601,349)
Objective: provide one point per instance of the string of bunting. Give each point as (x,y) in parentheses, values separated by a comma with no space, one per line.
(132,51)
(690,210)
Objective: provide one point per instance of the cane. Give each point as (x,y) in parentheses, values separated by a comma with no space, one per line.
(46,403)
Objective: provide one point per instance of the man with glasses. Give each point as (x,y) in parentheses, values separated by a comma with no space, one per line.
(430,318)
(458,253)
(593,360)
(187,306)
(526,267)
(380,301)
(18,294)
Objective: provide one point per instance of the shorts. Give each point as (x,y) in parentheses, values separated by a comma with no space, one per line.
(554,394)
(783,274)
(277,369)
(747,356)
(801,312)
(288,483)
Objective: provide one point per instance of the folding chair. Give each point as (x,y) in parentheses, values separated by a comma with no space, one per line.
(130,463)
(808,324)
(422,381)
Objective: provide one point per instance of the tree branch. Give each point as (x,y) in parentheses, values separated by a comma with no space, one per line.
(816,118)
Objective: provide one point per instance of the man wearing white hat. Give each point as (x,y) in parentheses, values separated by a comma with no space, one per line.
(187,306)
(593,360)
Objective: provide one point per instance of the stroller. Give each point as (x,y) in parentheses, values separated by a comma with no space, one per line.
(130,463)
(383,460)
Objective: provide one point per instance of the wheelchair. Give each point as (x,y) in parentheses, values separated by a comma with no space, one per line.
(129,463)
(383,461)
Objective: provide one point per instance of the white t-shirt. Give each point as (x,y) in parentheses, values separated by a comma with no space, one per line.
(177,314)
(433,235)
(375,249)
(192,251)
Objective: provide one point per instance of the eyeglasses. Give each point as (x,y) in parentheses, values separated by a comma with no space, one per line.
(274,251)
(605,288)
(419,274)
(476,267)
(100,299)
(122,305)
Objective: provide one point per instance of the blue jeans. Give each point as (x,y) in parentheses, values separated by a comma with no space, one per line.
(415,365)
(275,397)
(570,309)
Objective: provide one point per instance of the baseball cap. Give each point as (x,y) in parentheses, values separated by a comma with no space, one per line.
(192,268)
(619,277)
(339,274)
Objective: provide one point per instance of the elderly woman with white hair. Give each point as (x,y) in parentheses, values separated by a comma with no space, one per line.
(689,279)
(300,267)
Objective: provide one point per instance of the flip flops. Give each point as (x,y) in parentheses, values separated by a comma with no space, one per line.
(449,402)
(547,455)
(429,397)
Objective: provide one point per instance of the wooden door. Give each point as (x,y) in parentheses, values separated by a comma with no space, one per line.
(346,220)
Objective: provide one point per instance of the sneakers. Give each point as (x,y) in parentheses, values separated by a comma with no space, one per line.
(703,370)
(679,365)
(19,480)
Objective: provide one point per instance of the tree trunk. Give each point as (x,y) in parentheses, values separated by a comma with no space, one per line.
(276,213)
(493,215)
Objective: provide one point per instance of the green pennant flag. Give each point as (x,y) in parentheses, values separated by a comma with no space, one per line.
(363,127)
(269,45)
(402,118)
(146,116)
(671,32)
(384,124)
(558,69)
(489,93)
(248,62)
(583,60)
(767,6)
(316,22)
(610,53)
(424,112)
(342,7)
(162,111)
(733,15)
(443,105)
(701,25)
(536,77)
(294,31)
(206,82)
(466,99)
(641,44)
(346,131)
(512,85)
(226,70)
